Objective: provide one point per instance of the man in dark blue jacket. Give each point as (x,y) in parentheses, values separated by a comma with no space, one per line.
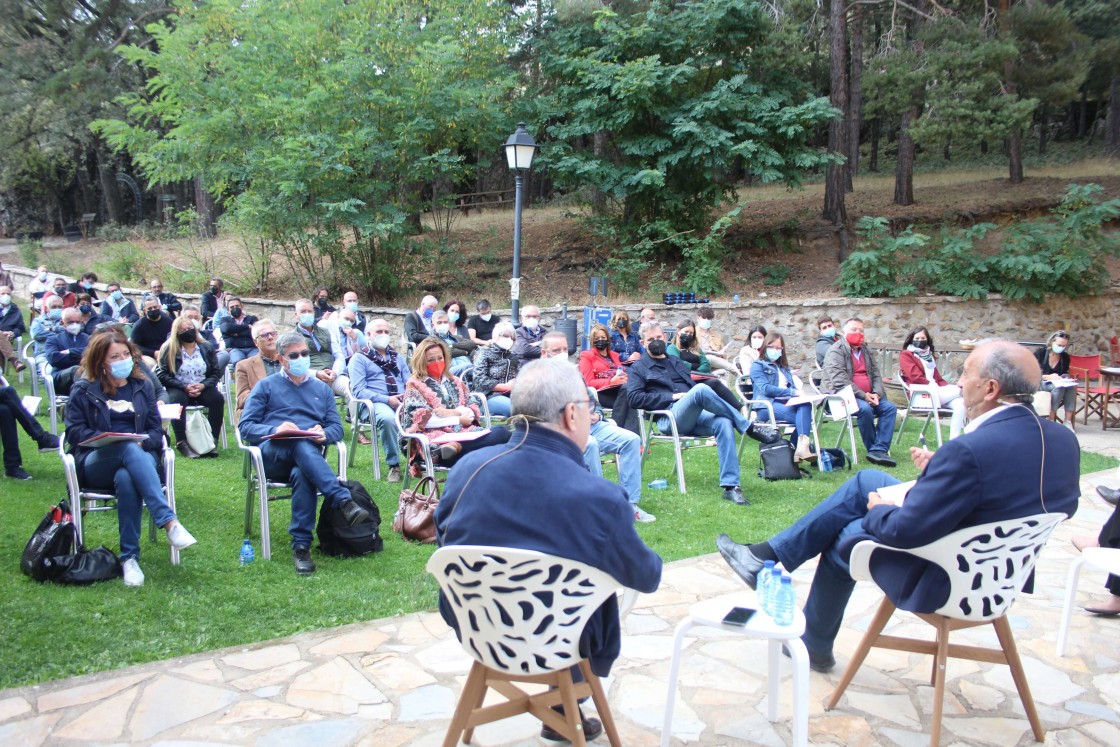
(986,475)
(64,349)
(534,493)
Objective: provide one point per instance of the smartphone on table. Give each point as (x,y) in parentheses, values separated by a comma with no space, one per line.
(738,616)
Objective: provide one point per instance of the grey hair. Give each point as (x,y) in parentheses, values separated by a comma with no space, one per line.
(300,301)
(1015,382)
(543,389)
(647,327)
(502,328)
(286,340)
(439,314)
(71,312)
(260,325)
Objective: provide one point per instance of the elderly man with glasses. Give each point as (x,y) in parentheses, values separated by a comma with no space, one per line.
(249,371)
(298,412)
(168,304)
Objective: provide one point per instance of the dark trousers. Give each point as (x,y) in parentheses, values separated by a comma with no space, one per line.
(1110,537)
(210,398)
(11,414)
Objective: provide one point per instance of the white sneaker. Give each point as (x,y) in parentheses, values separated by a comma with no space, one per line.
(179,537)
(133,576)
(643,517)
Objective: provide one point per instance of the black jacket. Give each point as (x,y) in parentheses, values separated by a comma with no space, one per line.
(149,335)
(652,382)
(172,381)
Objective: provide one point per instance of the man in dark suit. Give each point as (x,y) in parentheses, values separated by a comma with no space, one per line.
(994,471)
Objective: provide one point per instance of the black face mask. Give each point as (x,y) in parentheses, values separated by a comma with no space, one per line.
(154,315)
(322,303)
(600,344)
(235,312)
(921,344)
(85,308)
(686,340)
(214,289)
(656,347)
(188,336)
(622,324)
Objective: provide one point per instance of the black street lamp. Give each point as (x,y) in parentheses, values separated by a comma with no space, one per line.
(520,149)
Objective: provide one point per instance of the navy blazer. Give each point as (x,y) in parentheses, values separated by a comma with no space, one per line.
(987,475)
(651,387)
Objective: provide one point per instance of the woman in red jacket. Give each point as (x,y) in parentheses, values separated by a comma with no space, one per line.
(917,365)
(601,367)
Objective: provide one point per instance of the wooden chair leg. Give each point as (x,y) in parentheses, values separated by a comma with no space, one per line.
(602,707)
(473,691)
(571,710)
(882,617)
(468,733)
(939,680)
(1011,652)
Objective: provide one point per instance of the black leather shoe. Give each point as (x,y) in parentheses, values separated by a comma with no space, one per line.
(185,449)
(17,473)
(305,566)
(592,728)
(882,458)
(822,663)
(766,434)
(1109,495)
(744,562)
(352,512)
(47,442)
(735,495)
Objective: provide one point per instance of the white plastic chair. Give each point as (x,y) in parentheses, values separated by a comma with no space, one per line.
(259,486)
(922,399)
(823,411)
(55,403)
(83,500)
(987,566)
(512,622)
(358,425)
(1102,558)
(28,355)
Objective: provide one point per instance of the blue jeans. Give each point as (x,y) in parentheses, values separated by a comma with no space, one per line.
(131,474)
(800,415)
(499,405)
(702,413)
(822,532)
(301,462)
(384,420)
(236,355)
(876,438)
(608,438)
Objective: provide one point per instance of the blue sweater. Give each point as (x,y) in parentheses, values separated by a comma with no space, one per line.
(367,380)
(275,399)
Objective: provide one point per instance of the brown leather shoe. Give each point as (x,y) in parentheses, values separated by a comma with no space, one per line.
(363,438)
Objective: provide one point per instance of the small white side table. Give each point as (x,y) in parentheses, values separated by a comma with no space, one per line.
(710,613)
(1102,558)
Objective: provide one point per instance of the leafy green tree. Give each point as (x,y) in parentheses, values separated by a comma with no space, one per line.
(320,122)
(1099,22)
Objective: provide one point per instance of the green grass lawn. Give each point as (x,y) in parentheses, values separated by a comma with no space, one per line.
(210,601)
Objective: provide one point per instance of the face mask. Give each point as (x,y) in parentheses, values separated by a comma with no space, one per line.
(532,324)
(656,347)
(322,303)
(188,335)
(1058,349)
(485,317)
(428,313)
(773,354)
(55,314)
(306,320)
(435,369)
(42,276)
(5,299)
(381,341)
(705,323)
(214,289)
(686,340)
(345,324)
(443,329)
(117,296)
(85,309)
(121,369)
(153,315)
(830,332)
(300,366)
(855,339)
(453,316)
(236,312)
(74,328)
(756,343)
(601,344)
(504,343)
(921,344)
(353,306)
(622,324)
(60,290)
(87,286)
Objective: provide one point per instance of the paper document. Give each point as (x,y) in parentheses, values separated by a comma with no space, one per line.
(838,409)
(437,421)
(31,404)
(1065,382)
(170,411)
(292,434)
(446,438)
(111,438)
(811,399)
(896,494)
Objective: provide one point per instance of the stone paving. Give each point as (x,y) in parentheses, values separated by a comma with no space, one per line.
(395,682)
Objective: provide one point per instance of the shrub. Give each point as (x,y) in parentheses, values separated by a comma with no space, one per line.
(775,274)
(123,263)
(29,252)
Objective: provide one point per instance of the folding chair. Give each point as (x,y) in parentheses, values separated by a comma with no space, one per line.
(357,425)
(28,355)
(816,377)
(922,399)
(1087,368)
(56,403)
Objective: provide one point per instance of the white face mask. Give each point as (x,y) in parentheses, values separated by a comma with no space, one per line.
(74,328)
(504,343)
(381,341)
(442,329)
(532,324)
(756,343)
(5,299)
(43,277)
(485,317)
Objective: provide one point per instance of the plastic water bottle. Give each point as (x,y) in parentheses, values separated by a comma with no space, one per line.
(659,484)
(784,602)
(247,554)
(825,461)
(764,582)
(770,603)
(735,298)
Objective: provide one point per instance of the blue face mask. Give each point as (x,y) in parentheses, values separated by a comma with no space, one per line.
(773,354)
(300,366)
(345,324)
(121,369)
(353,306)
(55,314)
(453,316)
(829,332)
(306,320)
(428,313)
(117,296)
(1058,349)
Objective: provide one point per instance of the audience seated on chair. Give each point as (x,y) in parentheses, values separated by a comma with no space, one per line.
(64,349)
(59,289)
(851,363)
(826,336)
(327,364)
(534,494)
(90,318)
(991,473)
(457,326)
(206,333)
(323,308)
(752,351)
(917,364)
(350,301)
(711,342)
(251,370)
(1109,536)
(168,303)
(113,396)
(295,400)
(774,381)
(11,328)
(116,307)
(432,392)
(601,367)
(1053,360)
(625,340)
(12,413)
(85,284)
(39,286)
(460,355)
(213,299)
(527,340)
(481,326)
(495,369)
(418,323)
(46,326)
(151,330)
(378,373)
(236,329)
(346,338)
(688,348)
(188,368)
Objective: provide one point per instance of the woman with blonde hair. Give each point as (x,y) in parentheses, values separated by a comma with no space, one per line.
(188,368)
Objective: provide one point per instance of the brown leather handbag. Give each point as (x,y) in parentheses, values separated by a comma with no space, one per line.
(415,518)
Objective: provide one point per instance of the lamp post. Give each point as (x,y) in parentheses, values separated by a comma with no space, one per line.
(520,149)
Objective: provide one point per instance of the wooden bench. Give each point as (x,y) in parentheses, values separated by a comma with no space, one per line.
(86,222)
(478,200)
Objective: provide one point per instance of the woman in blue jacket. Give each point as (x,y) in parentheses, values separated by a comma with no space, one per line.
(774,382)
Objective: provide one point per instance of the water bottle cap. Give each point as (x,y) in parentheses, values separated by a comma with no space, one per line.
(787,580)
(769,563)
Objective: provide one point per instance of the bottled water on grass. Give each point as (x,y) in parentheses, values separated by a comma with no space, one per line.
(247,554)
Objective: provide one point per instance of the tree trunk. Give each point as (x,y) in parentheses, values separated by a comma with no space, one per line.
(904,171)
(983,147)
(873,161)
(1112,120)
(1015,140)
(1083,115)
(1015,156)
(106,174)
(204,206)
(598,197)
(835,180)
(855,120)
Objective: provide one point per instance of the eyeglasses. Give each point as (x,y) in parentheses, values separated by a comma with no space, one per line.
(297,355)
(589,403)
(267,336)
(1062,335)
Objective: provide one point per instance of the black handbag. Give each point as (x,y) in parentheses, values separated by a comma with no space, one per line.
(83,567)
(775,462)
(54,536)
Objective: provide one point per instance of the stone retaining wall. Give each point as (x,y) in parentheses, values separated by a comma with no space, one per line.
(1090,320)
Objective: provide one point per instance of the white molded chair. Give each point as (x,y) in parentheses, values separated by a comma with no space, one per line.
(28,355)
(987,566)
(823,410)
(1102,558)
(259,486)
(83,500)
(512,623)
(922,399)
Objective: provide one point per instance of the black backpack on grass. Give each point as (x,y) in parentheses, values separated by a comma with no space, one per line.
(341,540)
